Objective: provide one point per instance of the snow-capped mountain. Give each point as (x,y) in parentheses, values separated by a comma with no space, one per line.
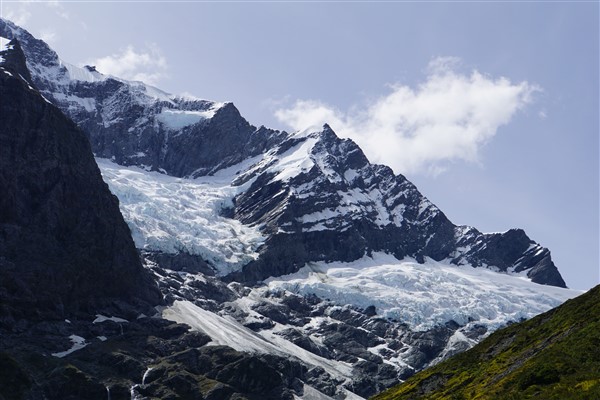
(138,124)
(315,196)
(293,245)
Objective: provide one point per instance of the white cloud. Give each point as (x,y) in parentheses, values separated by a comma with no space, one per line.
(147,65)
(446,118)
(19,15)
(49,36)
(58,8)
(20,12)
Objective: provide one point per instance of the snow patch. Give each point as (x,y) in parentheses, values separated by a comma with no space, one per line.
(228,332)
(310,393)
(75,102)
(350,175)
(78,344)
(295,161)
(4,46)
(83,74)
(101,318)
(179,119)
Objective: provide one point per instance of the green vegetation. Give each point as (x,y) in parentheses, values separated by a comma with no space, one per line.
(13,381)
(555,355)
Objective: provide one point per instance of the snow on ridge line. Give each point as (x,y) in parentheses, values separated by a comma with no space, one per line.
(83,74)
(78,344)
(173,215)
(295,160)
(179,119)
(425,295)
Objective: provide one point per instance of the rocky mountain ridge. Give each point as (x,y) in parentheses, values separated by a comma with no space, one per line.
(138,124)
(74,297)
(375,210)
(284,243)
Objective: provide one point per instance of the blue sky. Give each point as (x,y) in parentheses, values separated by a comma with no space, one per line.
(377,71)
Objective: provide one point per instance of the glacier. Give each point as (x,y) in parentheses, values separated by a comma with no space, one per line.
(424,295)
(171,215)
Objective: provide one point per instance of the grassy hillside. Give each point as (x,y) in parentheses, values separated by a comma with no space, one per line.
(555,355)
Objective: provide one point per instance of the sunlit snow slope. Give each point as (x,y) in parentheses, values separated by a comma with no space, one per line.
(428,294)
(173,215)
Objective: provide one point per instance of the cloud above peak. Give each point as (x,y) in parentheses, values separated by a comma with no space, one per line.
(446,118)
(147,65)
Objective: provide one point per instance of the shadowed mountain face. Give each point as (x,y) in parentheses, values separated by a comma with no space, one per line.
(63,243)
(552,356)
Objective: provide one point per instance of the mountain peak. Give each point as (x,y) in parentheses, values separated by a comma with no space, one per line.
(12,58)
(307,184)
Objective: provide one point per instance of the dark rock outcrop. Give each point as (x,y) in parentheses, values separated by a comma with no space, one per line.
(14,60)
(146,358)
(64,246)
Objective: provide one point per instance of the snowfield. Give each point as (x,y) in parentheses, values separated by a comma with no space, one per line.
(179,119)
(425,295)
(419,295)
(172,215)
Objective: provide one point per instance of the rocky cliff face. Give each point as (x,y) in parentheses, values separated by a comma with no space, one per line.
(64,247)
(318,198)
